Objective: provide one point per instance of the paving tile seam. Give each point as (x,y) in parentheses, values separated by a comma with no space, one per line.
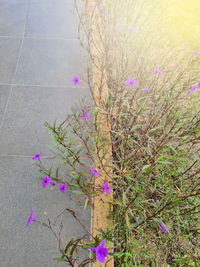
(16,68)
(22,156)
(39,37)
(45,37)
(42,86)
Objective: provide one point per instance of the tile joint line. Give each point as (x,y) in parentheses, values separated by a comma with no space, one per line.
(14,75)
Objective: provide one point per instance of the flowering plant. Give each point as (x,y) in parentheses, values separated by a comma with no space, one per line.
(155,136)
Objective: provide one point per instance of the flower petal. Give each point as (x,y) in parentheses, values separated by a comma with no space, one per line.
(100,258)
(93,249)
(103,243)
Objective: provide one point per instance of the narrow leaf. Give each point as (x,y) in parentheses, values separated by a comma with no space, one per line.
(49,174)
(57,173)
(86,201)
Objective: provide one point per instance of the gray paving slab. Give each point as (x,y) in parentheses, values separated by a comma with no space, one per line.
(4,93)
(9,51)
(12,18)
(36,70)
(52,18)
(50,62)
(23,132)
(13,1)
(21,191)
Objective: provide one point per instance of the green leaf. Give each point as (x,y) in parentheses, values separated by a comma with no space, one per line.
(93,140)
(177,201)
(64,153)
(54,124)
(78,152)
(74,246)
(124,198)
(86,201)
(86,140)
(49,174)
(63,137)
(57,173)
(44,173)
(59,259)
(36,164)
(74,163)
(117,254)
(68,245)
(136,126)
(76,192)
(185,140)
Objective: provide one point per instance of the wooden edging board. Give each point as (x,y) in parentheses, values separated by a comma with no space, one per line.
(100,204)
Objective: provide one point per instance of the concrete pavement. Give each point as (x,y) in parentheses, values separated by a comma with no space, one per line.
(39,56)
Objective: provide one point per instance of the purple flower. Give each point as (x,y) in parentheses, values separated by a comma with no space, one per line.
(101,252)
(191,90)
(158,71)
(95,172)
(130,82)
(198,85)
(85,115)
(46,181)
(106,188)
(163,228)
(37,156)
(31,218)
(63,188)
(195,53)
(53,184)
(146,89)
(132,28)
(76,80)
(101,6)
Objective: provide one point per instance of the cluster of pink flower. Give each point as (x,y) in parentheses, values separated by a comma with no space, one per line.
(101,252)
(47,180)
(194,88)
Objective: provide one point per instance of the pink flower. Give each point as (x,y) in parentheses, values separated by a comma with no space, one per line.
(101,252)
(198,85)
(195,53)
(175,66)
(46,181)
(95,172)
(158,71)
(63,188)
(76,80)
(37,156)
(194,88)
(163,228)
(146,89)
(85,115)
(106,188)
(101,6)
(132,28)
(130,82)
(53,184)
(31,218)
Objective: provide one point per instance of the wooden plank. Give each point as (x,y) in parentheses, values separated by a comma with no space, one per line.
(100,206)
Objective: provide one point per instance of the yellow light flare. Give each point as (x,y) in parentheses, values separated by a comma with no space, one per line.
(183,17)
